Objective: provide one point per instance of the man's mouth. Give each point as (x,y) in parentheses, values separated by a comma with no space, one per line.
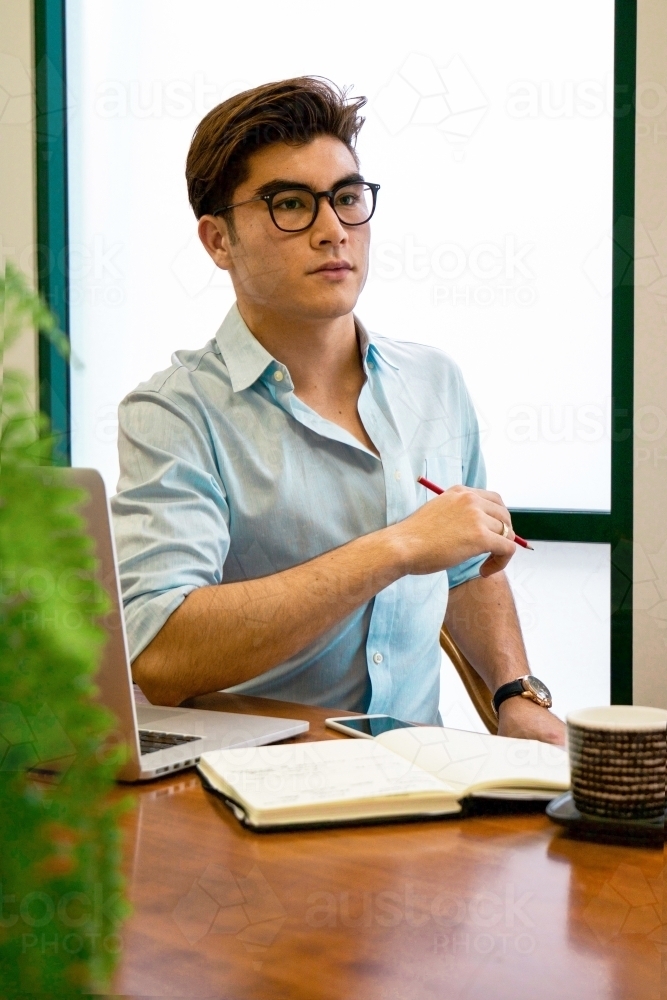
(334,265)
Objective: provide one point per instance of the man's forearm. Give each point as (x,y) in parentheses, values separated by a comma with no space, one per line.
(481,616)
(226,634)
(482,619)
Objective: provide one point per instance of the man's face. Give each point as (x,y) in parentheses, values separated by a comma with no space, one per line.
(293,274)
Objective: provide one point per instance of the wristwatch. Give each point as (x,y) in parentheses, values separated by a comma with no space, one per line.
(525,687)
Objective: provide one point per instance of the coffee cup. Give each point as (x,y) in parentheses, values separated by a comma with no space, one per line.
(618,761)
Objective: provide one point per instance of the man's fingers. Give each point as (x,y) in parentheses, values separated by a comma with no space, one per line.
(499,514)
(494,564)
(506,529)
(502,547)
(497,561)
(488,495)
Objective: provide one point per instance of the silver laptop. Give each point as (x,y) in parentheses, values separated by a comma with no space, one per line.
(157,740)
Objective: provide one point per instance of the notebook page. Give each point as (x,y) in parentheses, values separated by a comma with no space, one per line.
(465,760)
(302,774)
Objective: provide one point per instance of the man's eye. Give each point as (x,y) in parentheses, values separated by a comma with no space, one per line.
(347,200)
(290,204)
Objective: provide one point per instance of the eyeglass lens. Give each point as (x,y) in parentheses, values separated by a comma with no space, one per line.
(296,209)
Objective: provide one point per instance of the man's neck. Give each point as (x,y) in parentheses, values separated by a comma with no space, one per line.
(314,351)
(324,361)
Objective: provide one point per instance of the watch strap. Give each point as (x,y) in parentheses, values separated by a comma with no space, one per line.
(528,686)
(505,691)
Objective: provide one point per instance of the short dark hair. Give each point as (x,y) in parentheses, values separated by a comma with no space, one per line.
(293,111)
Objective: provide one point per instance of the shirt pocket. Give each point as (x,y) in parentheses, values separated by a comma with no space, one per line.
(443,470)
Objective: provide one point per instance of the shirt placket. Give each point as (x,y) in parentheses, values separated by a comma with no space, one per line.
(400,495)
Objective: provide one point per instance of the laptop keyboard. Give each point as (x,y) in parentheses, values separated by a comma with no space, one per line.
(150,741)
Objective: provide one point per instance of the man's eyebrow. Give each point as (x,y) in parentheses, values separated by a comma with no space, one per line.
(280,183)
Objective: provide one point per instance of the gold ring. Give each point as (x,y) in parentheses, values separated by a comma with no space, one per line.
(506,530)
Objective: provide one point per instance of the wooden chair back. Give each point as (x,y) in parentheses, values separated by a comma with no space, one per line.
(479,693)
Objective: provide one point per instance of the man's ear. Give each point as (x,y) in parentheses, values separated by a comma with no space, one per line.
(214,234)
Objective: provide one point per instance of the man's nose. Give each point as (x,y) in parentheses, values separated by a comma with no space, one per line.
(327,227)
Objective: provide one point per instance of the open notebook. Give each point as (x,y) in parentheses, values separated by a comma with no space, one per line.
(424,771)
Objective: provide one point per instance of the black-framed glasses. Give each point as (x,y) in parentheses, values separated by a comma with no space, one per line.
(293,209)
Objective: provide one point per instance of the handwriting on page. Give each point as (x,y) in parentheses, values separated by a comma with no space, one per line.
(330,771)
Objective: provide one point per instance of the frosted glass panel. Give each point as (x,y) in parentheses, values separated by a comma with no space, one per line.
(489,127)
(563,598)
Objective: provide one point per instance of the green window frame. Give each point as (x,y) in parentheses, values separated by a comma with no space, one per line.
(614,528)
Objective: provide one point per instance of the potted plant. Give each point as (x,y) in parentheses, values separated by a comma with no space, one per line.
(61,899)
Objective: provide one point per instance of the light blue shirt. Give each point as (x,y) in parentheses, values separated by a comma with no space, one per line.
(227,475)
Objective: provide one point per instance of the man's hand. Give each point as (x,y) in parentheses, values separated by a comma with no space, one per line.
(455,526)
(225,634)
(523,718)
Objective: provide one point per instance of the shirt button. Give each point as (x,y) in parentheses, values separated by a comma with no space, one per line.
(378,657)
(278,376)
(370,364)
(397,474)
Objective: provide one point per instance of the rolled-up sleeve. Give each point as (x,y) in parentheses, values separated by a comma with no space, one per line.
(168,479)
(474,475)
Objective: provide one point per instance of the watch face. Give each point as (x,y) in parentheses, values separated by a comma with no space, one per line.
(539,689)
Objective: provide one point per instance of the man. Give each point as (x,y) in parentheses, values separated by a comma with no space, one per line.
(272,536)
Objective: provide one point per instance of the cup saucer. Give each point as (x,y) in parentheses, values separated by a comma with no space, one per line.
(650,832)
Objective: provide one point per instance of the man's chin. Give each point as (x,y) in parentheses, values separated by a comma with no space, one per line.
(299,305)
(320,308)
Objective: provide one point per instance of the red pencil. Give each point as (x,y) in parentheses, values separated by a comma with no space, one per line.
(438,489)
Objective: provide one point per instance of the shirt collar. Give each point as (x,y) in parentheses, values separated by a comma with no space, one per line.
(246,359)
(368,346)
(243,354)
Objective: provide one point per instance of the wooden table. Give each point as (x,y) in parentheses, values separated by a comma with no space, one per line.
(494,907)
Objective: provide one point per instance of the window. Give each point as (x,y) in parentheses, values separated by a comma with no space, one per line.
(502,136)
